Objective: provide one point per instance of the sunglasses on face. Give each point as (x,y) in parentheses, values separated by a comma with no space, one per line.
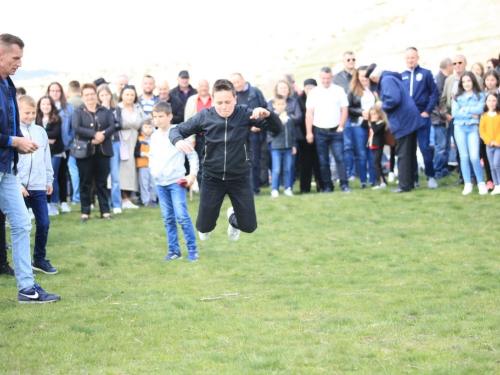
(458,62)
(353,59)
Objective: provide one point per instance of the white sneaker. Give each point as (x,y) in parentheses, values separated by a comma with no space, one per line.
(129,204)
(275,194)
(378,187)
(352,178)
(117,210)
(53,211)
(232,232)
(65,208)
(467,188)
(482,188)
(432,183)
(32,215)
(204,236)
(496,190)
(288,192)
(391,177)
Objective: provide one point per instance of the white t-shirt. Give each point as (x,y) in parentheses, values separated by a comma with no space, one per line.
(327,104)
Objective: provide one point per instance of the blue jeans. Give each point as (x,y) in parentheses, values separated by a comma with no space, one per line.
(12,205)
(75,179)
(424,139)
(467,138)
(56,163)
(174,210)
(37,200)
(281,156)
(442,141)
(494,159)
(349,142)
(114,165)
(326,141)
(363,154)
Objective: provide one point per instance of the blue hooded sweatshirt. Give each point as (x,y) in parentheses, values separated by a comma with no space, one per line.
(403,114)
(422,88)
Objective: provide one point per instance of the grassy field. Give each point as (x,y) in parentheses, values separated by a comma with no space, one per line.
(368,282)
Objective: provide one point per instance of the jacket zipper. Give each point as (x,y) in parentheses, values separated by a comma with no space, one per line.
(246,156)
(205,157)
(286,135)
(411,82)
(225,151)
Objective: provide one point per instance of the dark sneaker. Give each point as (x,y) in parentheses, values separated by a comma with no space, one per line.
(346,189)
(192,256)
(173,256)
(5,269)
(44,266)
(36,294)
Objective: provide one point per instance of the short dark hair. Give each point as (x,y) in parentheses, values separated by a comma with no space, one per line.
(326,69)
(223,85)
(74,86)
(162,106)
(20,90)
(412,48)
(7,40)
(89,86)
(279,97)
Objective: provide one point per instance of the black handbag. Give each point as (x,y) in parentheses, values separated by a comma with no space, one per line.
(80,149)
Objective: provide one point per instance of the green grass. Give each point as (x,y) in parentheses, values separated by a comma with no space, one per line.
(368,282)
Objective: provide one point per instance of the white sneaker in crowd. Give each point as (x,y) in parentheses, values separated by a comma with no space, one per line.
(496,190)
(117,210)
(351,178)
(53,211)
(381,186)
(275,194)
(65,208)
(204,236)
(232,232)
(467,188)
(432,183)
(129,204)
(482,188)
(391,177)
(288,192)
(32,215)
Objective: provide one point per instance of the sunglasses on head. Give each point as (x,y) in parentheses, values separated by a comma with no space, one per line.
(127,86)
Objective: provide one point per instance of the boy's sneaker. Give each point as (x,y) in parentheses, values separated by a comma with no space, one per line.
(36,294)
(288,192)
(65,208)
(482,188)
(275,194)
(467,188)
(431,183)
(192,256)
(44,266)
(173,256)
(232,232)
(204,236)
(6,269)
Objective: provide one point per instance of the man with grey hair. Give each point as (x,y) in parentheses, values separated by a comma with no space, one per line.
(12,143)
(121,81)
(442,133)
(326,115)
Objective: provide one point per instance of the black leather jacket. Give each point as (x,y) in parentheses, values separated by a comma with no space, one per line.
(86,125)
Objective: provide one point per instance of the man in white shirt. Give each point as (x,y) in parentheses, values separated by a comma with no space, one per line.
(326,115)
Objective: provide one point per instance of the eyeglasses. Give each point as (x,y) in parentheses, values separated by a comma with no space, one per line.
(353,59)
(458,62)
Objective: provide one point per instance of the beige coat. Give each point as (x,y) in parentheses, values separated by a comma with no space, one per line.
(131,125)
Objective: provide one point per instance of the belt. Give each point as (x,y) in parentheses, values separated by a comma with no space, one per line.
(328,129)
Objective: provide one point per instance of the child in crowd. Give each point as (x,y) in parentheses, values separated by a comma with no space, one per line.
(167,168)
(376,142)
(282,149)
(47,115)
(226,158)
(36,175)
(489,129)
(146,181)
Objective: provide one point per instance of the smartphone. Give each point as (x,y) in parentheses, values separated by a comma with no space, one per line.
(183,182)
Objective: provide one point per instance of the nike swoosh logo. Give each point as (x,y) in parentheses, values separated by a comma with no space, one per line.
(35,296)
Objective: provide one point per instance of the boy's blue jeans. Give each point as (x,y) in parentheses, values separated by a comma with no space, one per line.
(56,163)
(281,161)
(12,205)
(174,210)
(37,200)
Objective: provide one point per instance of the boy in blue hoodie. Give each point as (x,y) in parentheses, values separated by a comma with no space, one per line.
(35,174)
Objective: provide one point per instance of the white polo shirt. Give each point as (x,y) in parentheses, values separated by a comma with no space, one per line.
(327,104)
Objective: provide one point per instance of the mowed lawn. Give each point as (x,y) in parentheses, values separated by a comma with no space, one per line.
(369,282)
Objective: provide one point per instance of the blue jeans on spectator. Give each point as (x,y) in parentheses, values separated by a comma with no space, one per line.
(363,154)
(281,160)
(442,140)
(330,140)
(255,141)
(467,138)
(75,179)
(56,163)
(114,165)
(174,210)
(13,206)
(424,139)
(37,200)
(349,143)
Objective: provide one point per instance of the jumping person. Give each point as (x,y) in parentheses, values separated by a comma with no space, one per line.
(227,158)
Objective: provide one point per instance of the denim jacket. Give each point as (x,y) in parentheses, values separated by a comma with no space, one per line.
(463,109)
(6,95)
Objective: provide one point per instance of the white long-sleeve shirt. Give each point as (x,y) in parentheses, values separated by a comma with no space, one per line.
(34,171)
(166,163)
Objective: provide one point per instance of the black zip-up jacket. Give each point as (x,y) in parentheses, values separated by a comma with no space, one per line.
(378,134)
(86,125)
(227,154)
(54,131)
